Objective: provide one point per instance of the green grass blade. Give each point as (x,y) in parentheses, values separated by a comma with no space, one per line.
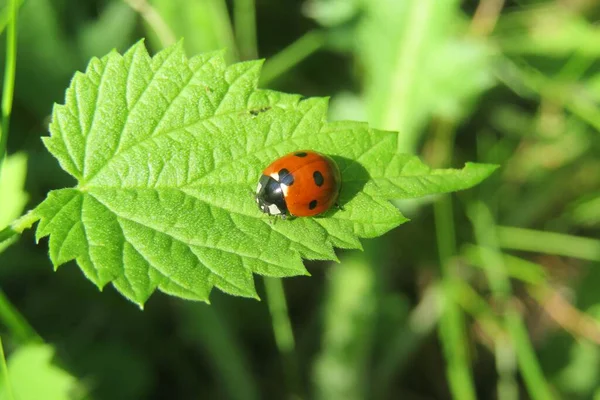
(244,20)
(516,267)
(452,324)
(7,384)
(208,328)
(529,365)
(291,56)
(549,243)
(154,20)
(530,368)
(18,326)
(6,15)
(350,310)
(405,343)
(282,329)
(10,66)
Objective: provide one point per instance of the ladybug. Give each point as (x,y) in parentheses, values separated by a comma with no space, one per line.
(300,184)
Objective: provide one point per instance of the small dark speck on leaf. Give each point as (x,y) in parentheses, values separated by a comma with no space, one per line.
(259,110)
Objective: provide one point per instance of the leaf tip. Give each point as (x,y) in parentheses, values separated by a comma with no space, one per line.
(55,264)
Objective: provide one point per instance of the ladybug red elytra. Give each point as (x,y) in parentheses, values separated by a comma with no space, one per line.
(301,184)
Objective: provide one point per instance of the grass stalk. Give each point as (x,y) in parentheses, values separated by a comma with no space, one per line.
(282,329)
(8,386)
(154,19)
(291,56)
(519,347)
(17,325)
(548,243)
(244,19)
(452,324)
(10,66)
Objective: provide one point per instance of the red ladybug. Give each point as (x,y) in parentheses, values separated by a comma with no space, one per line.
(301,184)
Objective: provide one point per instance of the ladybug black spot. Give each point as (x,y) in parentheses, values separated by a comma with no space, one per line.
(285,177)
(312,205)
(318,177)
(301,154)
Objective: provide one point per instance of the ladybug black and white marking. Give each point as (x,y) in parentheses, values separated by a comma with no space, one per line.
(301,184)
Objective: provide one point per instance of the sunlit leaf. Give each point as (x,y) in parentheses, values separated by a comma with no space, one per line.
(33,376)
(167,152)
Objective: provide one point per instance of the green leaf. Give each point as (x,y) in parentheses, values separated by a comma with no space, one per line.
(167,152)
(33,376)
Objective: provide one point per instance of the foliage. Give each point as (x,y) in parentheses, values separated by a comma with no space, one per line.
(166,152)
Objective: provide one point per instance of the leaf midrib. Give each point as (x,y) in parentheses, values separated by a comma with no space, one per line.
(182,240)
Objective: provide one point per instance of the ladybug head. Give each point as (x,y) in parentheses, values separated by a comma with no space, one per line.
(270,196)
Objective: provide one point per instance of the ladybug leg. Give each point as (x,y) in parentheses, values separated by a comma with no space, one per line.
(339,207)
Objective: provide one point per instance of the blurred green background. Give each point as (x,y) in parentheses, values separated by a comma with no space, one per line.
(491,294)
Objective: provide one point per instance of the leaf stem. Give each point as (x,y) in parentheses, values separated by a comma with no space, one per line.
(244,18)
(9,78)
(7,233)
(282,329)
(4,367)
(291,56)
